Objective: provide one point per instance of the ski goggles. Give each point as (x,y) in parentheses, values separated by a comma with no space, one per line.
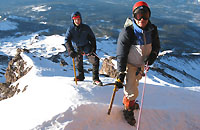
(140,13)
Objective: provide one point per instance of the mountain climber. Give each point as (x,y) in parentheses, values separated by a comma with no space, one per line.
(138,44)
(80,40)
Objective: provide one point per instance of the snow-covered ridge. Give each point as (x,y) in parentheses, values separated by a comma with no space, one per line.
(39,45)
(169,66)
(53,101)
(6,25)
(18,18)
(41,8)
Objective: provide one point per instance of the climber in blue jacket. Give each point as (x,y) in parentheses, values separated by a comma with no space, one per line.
(80,40)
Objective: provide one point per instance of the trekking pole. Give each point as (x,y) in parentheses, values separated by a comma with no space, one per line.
(74,71)
(140,112)
(112,99)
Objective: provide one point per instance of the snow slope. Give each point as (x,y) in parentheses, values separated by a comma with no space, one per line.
(53,101)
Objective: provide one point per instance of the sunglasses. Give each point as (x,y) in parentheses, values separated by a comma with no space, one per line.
(141,13)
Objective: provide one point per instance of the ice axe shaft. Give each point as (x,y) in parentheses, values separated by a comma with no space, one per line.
(111,84)
(74,71)
(112,99)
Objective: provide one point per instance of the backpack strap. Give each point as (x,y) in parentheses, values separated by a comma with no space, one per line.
(128,22)
(128,25)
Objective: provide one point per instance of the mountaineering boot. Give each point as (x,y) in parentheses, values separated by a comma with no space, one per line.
(79,78)
(97,82)
(129,117)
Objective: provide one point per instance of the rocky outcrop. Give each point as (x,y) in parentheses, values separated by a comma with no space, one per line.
(17,68)
(108,68)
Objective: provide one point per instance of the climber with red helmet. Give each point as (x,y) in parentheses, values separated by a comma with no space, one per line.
(138,44)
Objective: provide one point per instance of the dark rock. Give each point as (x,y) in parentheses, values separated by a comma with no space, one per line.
(63,63)
(108,68)
(16,69)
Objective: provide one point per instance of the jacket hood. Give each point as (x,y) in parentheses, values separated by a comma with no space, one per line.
(76,14)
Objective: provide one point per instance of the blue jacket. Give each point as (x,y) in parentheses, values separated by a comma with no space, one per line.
(80,38)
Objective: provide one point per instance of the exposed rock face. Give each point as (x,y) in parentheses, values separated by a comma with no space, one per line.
(17,68)
(108,68)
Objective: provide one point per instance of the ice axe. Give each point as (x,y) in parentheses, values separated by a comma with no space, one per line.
(112,99)
(113,96)
(74,71)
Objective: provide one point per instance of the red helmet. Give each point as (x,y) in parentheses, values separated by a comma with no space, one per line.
(140,3)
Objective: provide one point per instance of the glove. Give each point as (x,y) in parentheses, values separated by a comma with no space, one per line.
(119,84)
(152,57)
(120,80)
(73,54)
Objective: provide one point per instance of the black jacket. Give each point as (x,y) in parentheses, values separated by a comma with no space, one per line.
(126,38)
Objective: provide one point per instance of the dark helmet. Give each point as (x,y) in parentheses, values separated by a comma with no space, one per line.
(142,6)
